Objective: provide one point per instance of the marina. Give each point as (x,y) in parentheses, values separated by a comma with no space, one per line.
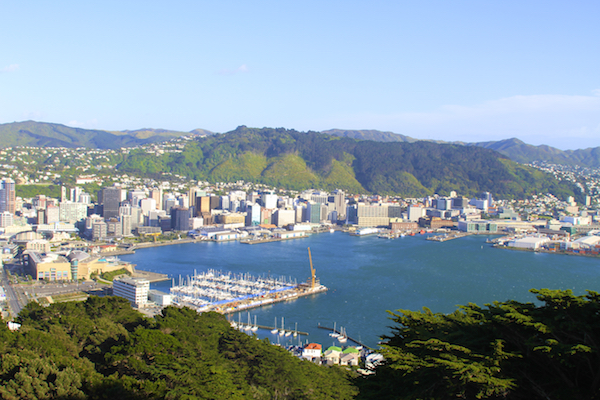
(367,276)
(227,292)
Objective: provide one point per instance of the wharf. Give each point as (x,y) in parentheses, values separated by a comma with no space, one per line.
(287,295)
(349,338)
(269,240)
(151,276)
(446,237)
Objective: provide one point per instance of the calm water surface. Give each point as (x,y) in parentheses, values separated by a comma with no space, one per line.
(367,276)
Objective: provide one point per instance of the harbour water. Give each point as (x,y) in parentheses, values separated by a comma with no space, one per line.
(367,276)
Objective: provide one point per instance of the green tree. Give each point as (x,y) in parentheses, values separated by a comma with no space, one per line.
(505,350)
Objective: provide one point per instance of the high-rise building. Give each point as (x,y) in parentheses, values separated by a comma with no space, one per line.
(75,193)
(72,212)
(8,200)
(111,200)
(6,219)
(338,198)
(156,194)
(180,219)
(99,230)
(52,214)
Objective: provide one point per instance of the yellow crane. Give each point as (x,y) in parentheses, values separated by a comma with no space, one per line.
(312,271)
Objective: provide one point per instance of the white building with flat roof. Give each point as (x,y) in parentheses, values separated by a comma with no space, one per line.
(529,242)
(133,289)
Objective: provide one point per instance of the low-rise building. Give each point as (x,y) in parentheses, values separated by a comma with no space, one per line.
(529,242)
(312,352)
(52,267)
(133,289)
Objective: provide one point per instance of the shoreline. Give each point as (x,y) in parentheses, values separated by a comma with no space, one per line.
(560,252)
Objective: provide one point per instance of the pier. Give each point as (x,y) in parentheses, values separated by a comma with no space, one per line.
(268,328)
(269,240)
(348,337)
(228,293)
(446,237)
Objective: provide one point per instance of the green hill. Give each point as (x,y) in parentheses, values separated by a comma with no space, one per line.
(42,134)
(103,349)
(301,160)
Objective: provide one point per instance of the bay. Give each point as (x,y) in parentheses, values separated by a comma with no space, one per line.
(367,276)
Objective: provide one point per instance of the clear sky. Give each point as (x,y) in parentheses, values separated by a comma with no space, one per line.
(450,70)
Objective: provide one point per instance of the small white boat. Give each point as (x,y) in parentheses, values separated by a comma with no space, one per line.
(274,330)
(282,330)
(248,326)
(255,326)
(334,333)
(342,338)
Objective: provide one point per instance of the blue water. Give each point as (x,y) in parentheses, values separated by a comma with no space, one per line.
(367,276)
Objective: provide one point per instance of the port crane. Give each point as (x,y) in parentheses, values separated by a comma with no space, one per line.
(312,271)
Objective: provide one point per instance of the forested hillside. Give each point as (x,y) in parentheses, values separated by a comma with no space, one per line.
(103,349)
(514,148)
(301,160)
(519,151)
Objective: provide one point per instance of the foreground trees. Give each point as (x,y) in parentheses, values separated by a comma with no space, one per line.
(505,350)
(103,349)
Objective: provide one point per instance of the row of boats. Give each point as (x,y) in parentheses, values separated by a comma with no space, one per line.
(254,327)
(212,286)
(341,336)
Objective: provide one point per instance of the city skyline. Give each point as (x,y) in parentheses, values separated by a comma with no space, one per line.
(464,71)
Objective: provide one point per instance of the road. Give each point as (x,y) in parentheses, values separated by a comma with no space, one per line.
(18,295)
(15,300)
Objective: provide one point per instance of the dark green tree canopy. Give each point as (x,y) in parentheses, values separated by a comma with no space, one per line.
(505,350)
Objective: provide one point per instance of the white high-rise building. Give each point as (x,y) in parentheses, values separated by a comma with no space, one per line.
(133,289)
(147,205)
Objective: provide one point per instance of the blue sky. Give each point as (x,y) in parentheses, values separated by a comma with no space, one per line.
(448,70)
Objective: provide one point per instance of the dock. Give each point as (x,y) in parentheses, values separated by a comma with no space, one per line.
(269,328)
(269,240)
(348,337)
(150,276)
(228,293)
(451,236)
(291,294)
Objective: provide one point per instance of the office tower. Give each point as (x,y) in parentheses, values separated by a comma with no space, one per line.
(7,196)
(111,200)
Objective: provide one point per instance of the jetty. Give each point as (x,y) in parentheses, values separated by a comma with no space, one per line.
(450,236)
(348,337)
(268,328)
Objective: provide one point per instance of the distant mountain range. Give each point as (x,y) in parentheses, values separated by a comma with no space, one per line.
(42,134)
(514,149)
